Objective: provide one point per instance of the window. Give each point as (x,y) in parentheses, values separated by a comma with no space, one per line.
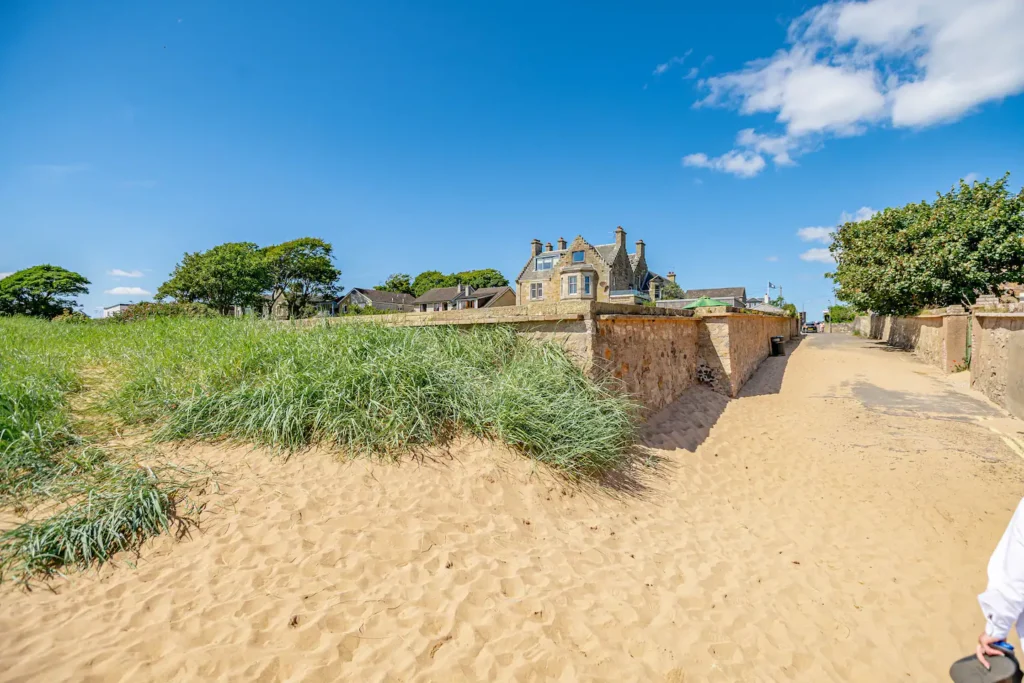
(536,290)
(577,257)
(572,284)
(586,284)
(545,262)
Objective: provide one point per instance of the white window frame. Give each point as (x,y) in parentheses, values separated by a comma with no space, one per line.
(581,259)
(572,285)
(547,261)
(536,290)
(586,284)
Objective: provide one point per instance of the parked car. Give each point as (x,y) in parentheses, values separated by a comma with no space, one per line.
(810,328)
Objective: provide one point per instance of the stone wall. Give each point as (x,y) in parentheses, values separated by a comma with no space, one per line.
(654,356)
(731,346)
(938,338)
(655,352)
(997,358)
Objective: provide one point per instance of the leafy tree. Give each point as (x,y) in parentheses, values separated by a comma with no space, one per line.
(478,279)
(671,290)
(397,282)
(965,243)
(301,270)
(43,291)
(431,279)
(231,274)
(841,314)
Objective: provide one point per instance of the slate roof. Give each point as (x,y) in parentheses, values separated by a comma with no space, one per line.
(437,295)
(766,308)
(482,293)
(528,273)
(379,297)
(716,293)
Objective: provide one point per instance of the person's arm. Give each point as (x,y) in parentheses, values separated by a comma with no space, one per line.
(1002,603)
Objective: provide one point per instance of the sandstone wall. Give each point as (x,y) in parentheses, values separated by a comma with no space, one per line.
(733,345)
(939,339)
(654,356)
(997,359)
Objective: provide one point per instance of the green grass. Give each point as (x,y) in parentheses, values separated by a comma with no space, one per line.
(364,389)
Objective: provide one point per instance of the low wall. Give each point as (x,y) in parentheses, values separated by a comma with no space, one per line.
(655,352)
(997,358)
(939,339)
(733,345)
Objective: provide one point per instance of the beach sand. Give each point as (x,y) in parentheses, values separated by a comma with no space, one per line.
(832,524)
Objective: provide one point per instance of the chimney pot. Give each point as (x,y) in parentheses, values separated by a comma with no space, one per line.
(561,244)
(671,276)
(640,248)
(548,247)
(535,246)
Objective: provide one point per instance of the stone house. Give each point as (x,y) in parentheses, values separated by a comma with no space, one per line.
(398,302)
(461,297)
(584,271)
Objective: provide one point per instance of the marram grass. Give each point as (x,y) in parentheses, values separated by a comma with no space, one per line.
(363,388)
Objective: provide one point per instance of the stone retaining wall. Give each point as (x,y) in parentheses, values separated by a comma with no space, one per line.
(655,352)
(997,358)
(939,339)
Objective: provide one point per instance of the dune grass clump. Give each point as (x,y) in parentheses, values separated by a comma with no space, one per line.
(363,388)
(373,389)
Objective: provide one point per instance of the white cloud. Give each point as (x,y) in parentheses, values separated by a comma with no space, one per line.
(971,178)
(692,73)
(117,272)
(58,171)
(128,291)
(743,164)
(815,234)
(818,255)
(853,64)
(771,259)
(862,214)
(662,68)
(3,275)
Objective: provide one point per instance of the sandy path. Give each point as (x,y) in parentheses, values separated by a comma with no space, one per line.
(831,524)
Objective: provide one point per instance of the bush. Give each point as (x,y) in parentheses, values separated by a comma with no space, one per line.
(72,317)
(148,310)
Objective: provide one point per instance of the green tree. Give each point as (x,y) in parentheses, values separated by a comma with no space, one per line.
(478,279)
(431,279)
(397,282)
(671,290)
(231,274)
(301,270)
(965,243)
(43,291)
(841,314)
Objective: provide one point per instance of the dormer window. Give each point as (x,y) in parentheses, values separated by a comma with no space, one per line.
(578,256)
(545,262)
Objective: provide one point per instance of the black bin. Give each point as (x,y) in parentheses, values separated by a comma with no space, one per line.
(777,348)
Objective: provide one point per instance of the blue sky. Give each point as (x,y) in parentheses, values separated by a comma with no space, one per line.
(447,138)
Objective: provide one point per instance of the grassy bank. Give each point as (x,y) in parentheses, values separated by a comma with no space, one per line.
(364,389)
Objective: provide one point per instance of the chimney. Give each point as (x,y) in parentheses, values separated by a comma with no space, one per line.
(535,245)
(639,249)
(620,237)
(561,244)
(671,276)
(548,247)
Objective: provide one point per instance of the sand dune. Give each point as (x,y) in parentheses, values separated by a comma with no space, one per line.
(803,532)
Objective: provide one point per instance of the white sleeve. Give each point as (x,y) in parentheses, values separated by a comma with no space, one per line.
(1003,601)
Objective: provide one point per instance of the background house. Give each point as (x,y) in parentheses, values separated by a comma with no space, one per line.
(730,296)
(373,298)
(581,270)
(116,309)
(461,297)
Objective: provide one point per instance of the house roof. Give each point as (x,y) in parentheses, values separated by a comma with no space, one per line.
(436,295)
(714,293)
(766,308)
(494,293)
(381,297)
(482,293)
